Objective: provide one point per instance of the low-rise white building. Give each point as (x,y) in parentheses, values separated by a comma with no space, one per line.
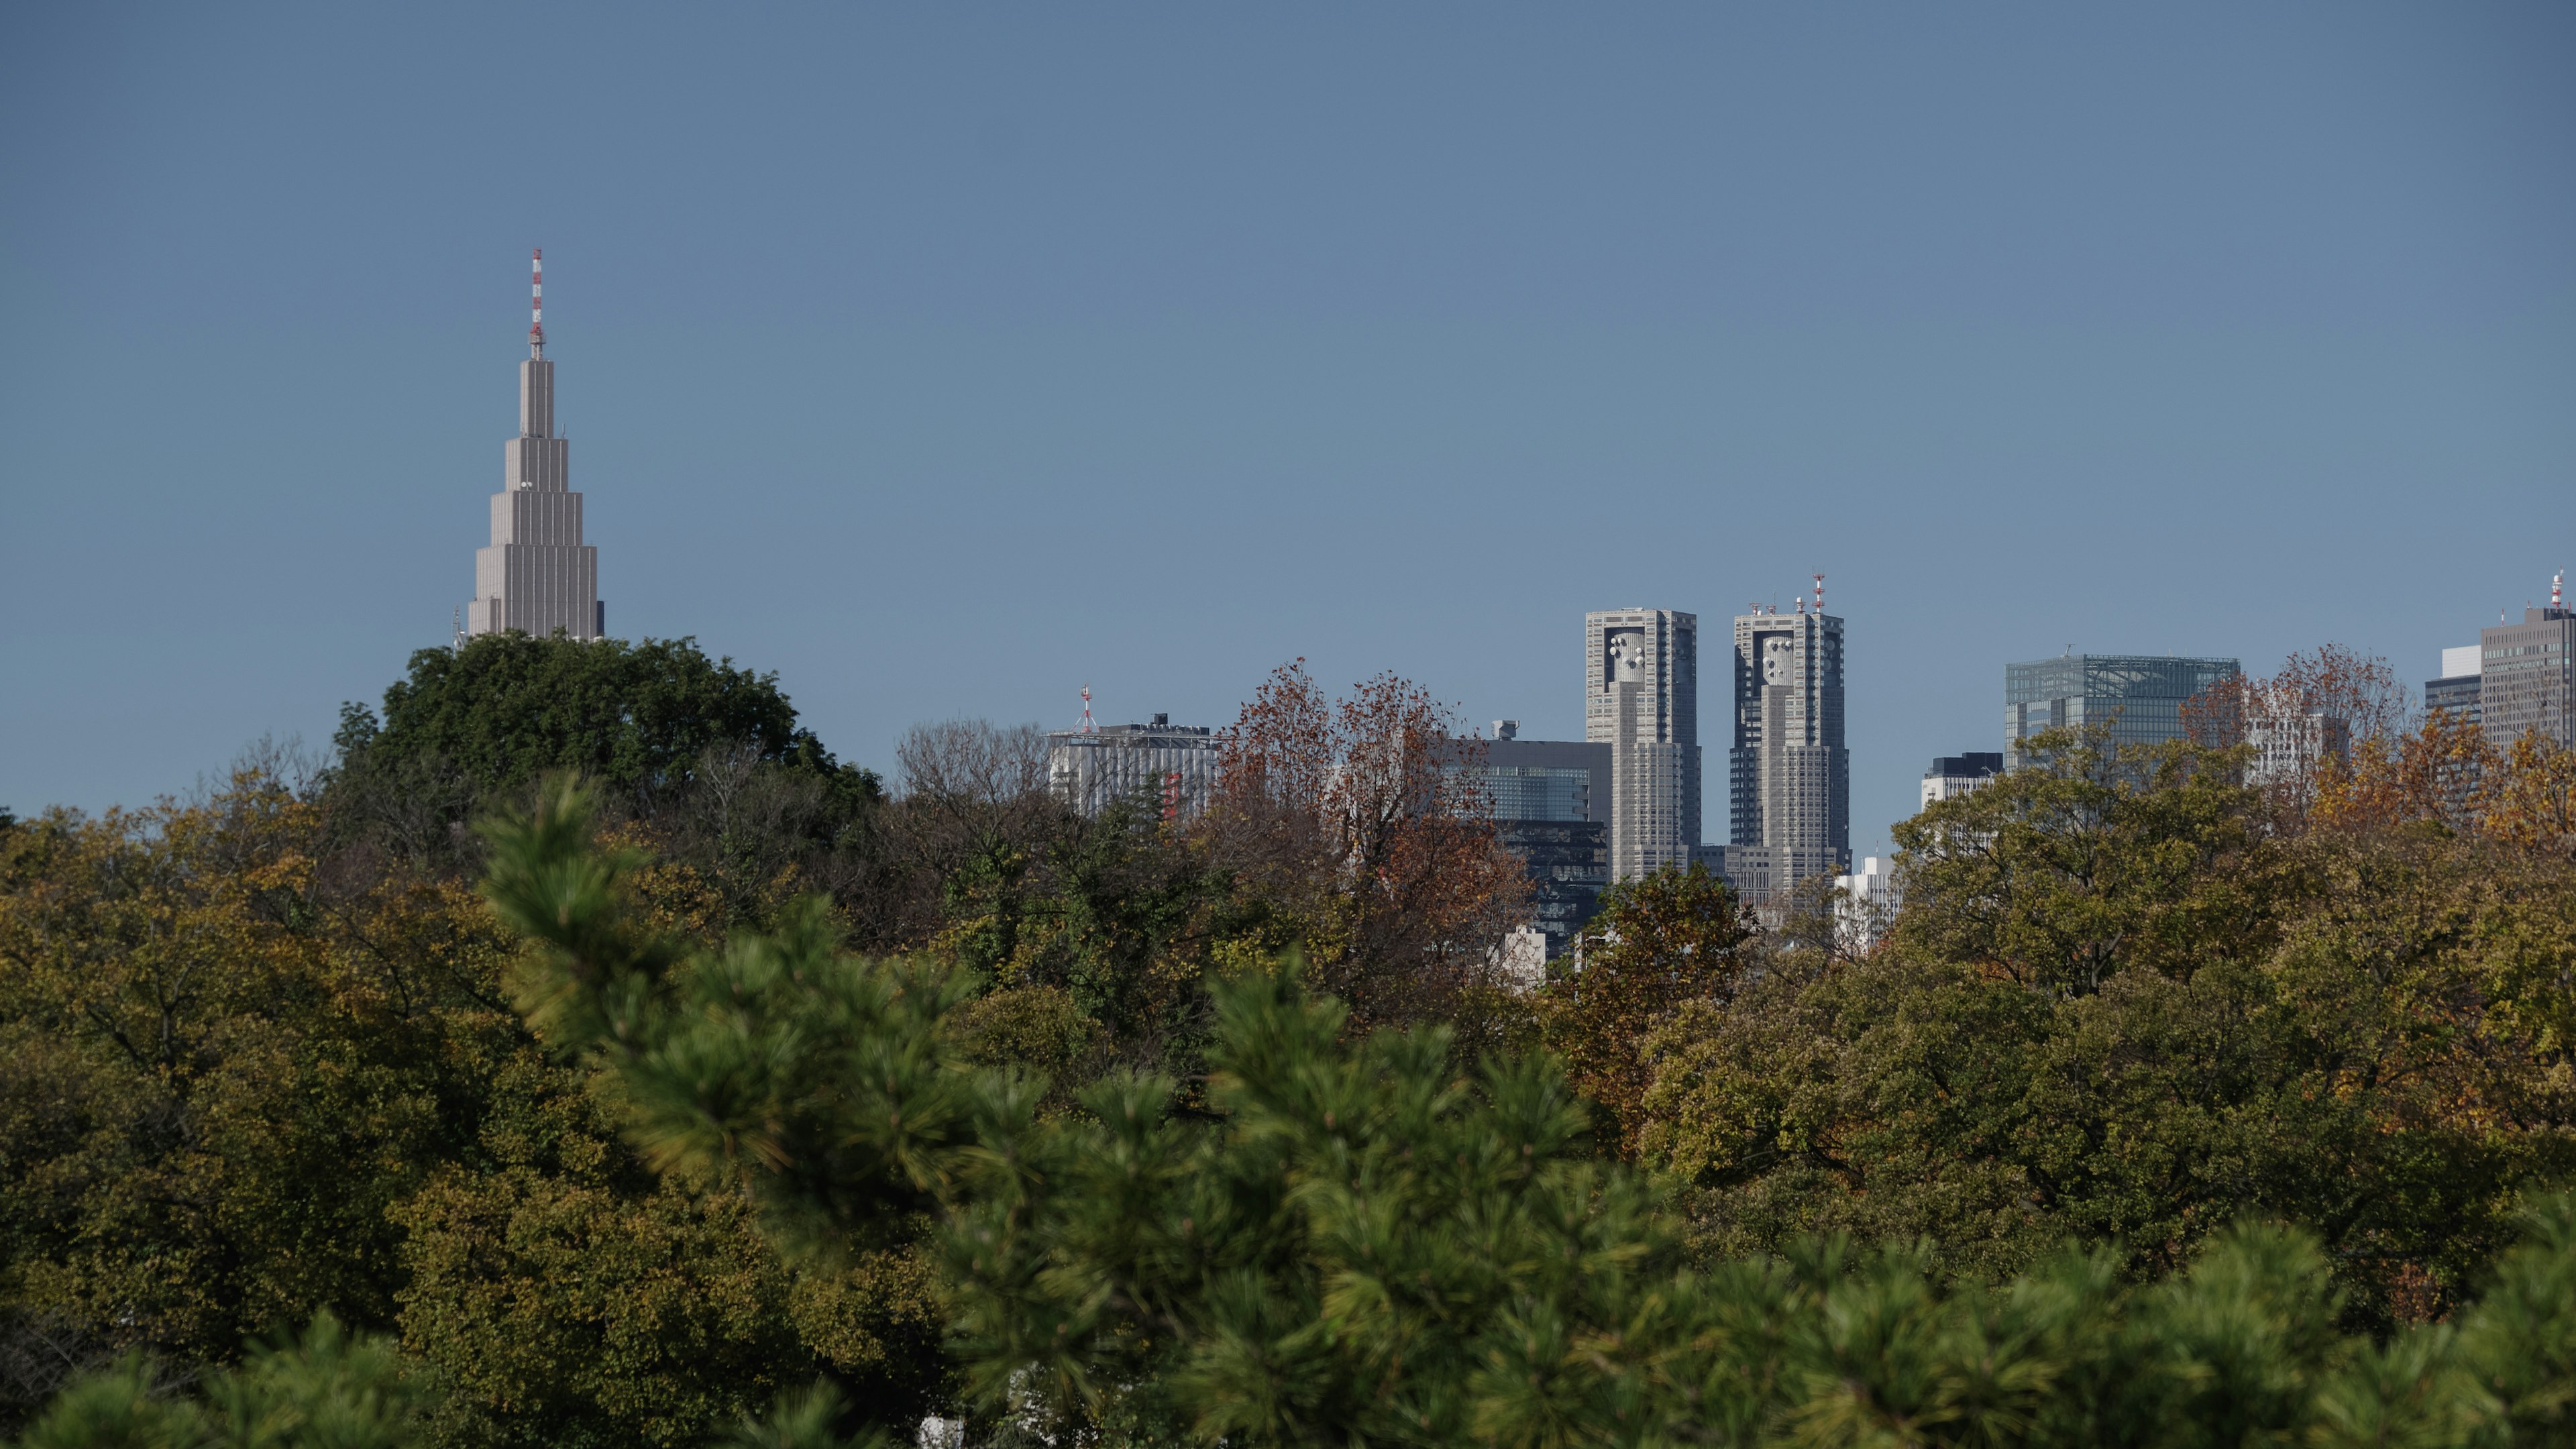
(1173,766)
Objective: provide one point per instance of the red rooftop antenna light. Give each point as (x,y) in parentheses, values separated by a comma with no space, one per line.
(536,301)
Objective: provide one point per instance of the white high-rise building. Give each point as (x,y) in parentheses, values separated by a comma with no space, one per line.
(1641,698)
(537,575)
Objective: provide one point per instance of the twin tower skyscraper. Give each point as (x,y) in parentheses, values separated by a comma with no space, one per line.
(1788,769)
(537,575)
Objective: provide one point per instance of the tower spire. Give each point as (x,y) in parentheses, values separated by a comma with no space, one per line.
(537,575)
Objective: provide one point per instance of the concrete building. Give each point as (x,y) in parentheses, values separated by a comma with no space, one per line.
(1788,770)
(2527,675)
(1954,775)
(2288,751)
(1764,875)
(1169,768)
(1641,698)
(1872,895)
(1550,800)
(2139,697)
(537,575)
(1520,960)
(2458,688)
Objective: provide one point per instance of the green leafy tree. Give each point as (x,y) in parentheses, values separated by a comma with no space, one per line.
(2114,1011)
(663,728)
(2091,858)
(1117,915)
(569,1299)
(1674,936)
(245,1080)
(507,707)
(1352,1241)
(212,1087)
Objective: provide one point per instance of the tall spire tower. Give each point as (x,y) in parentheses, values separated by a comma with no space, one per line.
(537,576)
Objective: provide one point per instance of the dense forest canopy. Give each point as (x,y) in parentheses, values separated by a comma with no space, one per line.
(734,1091)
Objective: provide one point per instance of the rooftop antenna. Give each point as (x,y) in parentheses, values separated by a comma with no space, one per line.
(536,301)
(1820,593)
(2555,580)
(1088,727)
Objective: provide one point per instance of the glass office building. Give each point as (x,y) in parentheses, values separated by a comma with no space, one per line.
(1569,864)
(1550,800)
(1538,792)
(2459,694)
(2138,697)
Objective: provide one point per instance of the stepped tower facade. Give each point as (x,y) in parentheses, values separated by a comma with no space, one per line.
(537,575)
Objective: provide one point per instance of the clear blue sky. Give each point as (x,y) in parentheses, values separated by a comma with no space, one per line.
(945,358)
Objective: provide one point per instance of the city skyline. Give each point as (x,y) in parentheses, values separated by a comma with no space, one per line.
(1392,342)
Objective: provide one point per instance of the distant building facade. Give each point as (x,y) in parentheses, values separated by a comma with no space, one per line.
(1871,897)
(1550,800)
(2289,751)
(537,575)
(1641,698)
(1545,779)
(2457,691)
(1569,865)
(1171,767)
(1952,776)
(2527,675)
(1764,875)
(1788,768)
(2139,697)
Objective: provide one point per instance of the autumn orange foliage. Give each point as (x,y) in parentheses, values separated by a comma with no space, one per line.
(2448,772)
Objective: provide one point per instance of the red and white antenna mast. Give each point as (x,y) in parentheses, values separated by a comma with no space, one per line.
(1820,593)
(1088,727)
(2555,581)
(537,302)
